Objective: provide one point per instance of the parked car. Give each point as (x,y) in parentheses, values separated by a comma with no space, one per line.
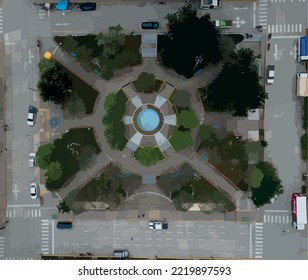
(210,4)
(158,225)
(64,225)
(149,25)
(270,74)
(87,6)
(32,160)
(31,115)
(120,254)
(33,190)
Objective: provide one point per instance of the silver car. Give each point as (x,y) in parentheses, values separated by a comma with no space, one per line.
(32,160)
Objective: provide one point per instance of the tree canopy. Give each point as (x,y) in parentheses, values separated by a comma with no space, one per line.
(237,87)
(189,38)
(54,84)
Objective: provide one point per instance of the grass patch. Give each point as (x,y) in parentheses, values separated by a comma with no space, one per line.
(115,105)
(204,192)
(83,90)
(181,140)
(68,152)
(148,156)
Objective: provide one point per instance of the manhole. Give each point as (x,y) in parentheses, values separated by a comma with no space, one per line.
(54,122)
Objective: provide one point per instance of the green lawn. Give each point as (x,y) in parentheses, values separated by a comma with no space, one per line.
(66,151)
(204,192)
(83,90)
(181,140)
(148,156)
(115,105)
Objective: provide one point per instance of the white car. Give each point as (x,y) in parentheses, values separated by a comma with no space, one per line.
(33,190)
(158,225)
(210,4)
(31,115)
(32,160)
(270,74)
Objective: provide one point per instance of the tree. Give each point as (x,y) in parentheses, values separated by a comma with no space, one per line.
(74,107)
(256,177)
(54,84)
(208,136)
(145,82)
(43,155)
(189,38)
(110,101)
(187,119)
(237,87)
(63,207)
(270,184)
(112,43)
(181,98)
(54,171)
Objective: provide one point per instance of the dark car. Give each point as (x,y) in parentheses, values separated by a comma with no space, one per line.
(87,6)
(64,225)
(150,25)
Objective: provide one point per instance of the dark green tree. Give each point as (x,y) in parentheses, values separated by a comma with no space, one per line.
(237,88)
(63,207)
(54,84)
(189,39)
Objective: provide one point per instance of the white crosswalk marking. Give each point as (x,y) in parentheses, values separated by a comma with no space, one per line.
(2,247)
(1,21)
(258,237)
(283,28)
(41,14)
(45,229)
(276,218)
(26,213)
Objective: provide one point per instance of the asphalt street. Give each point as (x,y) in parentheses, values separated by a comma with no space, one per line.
(197,239)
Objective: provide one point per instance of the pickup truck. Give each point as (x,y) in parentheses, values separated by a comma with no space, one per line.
(158,225)
(302,84)
(223,23)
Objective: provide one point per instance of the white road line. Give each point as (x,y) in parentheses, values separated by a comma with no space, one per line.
(259,249)
(200,226)
(259,238)
(259,224)
(276,28)
(284,28)
(157,238)
(276,219)
(283,219)
(264,217)
(300,28)
(180,232)
(262,8)
(148,245)
(149,238)
(259,245)
(292,27)
(280,28)
(259,234)
(222,226)
(179,225)
(259,242)
(286,37)
(211,232)
(295,27)
(212,226)
(23,205)
(263,19)
(222,232)
(158,245)
(287,219)
(259,227)
(242,233)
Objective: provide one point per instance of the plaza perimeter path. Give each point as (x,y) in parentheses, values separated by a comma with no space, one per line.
(124,158)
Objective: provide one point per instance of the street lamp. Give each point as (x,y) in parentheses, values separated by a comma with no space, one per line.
(96,61)
(198,60)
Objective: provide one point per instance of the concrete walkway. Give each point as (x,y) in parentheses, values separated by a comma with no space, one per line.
(108,155)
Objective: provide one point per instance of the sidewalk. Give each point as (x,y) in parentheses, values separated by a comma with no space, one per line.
(2,140)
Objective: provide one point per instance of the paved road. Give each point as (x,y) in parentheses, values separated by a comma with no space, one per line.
(197,239)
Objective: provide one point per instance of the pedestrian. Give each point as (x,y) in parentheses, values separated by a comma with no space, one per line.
(131,238)
(143,215)
(5,149)
(138,216)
